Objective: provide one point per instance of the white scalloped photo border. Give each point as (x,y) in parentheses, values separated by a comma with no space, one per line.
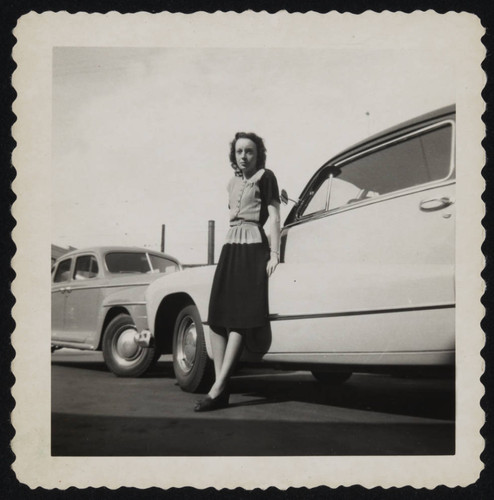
(36,36)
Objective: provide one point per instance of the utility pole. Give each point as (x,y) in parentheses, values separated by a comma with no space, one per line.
(163,238)
(211,242)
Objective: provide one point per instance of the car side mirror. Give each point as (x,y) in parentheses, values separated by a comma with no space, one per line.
(284,196)
(285,199)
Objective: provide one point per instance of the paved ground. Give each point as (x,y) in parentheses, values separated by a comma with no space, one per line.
(95,413)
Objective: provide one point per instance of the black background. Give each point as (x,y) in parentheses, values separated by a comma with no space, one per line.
(10,12)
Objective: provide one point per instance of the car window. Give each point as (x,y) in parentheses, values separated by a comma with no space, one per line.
(418,160)
(127,262)
(162,265)
(318,199)
(86,267)
(63,271)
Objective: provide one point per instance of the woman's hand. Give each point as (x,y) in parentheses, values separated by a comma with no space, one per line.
(272,263)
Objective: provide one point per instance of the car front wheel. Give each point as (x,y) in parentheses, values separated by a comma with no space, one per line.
(191,364)
(121,353)
(331,378)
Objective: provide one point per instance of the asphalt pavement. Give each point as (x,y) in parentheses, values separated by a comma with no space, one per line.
(272,413)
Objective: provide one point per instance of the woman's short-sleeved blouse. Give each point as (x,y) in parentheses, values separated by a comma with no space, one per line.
(249,198)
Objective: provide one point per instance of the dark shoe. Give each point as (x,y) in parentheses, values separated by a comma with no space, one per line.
(209,404)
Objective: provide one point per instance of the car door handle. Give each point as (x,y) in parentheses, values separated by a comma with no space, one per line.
(432,204)
(68,289)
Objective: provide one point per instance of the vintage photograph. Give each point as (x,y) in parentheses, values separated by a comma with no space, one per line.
(357,332)
(257,249)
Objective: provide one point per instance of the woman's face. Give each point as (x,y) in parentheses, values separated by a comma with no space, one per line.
(246,155)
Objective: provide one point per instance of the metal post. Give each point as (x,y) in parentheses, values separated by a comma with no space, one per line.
(163,238)
(211,242)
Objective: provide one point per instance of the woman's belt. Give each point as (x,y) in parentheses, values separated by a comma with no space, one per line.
(241,222)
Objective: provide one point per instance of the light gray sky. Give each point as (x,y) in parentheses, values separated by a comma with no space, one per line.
(141,135)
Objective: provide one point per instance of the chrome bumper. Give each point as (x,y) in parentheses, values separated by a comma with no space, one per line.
(144,338)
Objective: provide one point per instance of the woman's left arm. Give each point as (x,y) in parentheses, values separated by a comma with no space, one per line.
(274,225)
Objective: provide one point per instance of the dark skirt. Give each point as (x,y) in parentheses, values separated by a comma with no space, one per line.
(239,295)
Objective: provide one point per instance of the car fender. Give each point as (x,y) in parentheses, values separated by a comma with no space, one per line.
(195,282)
(131,298)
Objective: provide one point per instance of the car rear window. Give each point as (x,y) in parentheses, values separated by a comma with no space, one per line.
(127,262)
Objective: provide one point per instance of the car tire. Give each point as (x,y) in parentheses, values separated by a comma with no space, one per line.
(121,354)
(191,364)
(331,378)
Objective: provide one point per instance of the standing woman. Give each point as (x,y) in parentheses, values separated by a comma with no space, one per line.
(239,295)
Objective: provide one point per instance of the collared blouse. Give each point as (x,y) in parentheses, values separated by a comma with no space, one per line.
(249,198)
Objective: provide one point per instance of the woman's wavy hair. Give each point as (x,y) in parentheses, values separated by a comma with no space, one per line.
(261,151)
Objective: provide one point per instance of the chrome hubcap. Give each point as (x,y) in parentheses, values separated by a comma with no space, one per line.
(187,345)
(126,346)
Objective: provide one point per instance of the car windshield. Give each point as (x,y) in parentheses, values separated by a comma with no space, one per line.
(127,262)
(162,265)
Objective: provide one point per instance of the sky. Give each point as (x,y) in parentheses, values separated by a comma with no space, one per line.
(141,135)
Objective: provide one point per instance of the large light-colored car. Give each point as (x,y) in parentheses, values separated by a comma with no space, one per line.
(366,280)
(97,303)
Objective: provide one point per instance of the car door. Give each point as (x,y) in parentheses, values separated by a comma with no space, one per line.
(83,299)
(368,264)
(60,280)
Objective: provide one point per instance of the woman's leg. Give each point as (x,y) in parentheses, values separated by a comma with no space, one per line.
(218,345)
(232,353)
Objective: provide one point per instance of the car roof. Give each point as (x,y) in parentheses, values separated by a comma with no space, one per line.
(392,131)
(106,249)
